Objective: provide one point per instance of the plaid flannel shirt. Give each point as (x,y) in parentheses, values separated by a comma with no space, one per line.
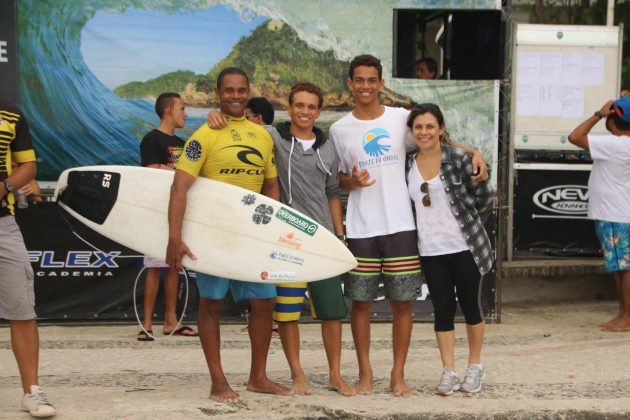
(470,202)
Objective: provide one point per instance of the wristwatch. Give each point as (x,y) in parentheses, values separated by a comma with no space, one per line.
(341,237)
(7,185)
(598,114)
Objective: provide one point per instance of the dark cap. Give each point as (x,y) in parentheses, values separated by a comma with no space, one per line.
(621,107)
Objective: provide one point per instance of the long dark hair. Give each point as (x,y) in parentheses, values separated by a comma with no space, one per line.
(433,109)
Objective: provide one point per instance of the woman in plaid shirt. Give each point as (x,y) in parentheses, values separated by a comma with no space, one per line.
(454,247)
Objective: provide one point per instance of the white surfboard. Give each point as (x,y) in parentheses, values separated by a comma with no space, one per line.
(233,232)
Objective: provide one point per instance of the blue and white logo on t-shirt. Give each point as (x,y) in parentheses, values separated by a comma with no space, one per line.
(376,142)
(372,142)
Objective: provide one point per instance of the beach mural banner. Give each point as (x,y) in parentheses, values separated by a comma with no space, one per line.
(90,69)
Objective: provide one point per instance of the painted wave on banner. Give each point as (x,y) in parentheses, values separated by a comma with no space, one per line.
(77,120)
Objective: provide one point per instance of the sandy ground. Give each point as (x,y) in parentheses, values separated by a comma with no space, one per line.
(542,361)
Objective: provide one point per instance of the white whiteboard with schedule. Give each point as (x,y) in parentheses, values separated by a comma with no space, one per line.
(561,74)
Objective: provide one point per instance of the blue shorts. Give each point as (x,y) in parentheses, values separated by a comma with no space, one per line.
(216,288)
(615,240)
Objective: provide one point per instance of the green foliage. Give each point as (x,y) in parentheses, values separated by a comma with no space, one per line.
(170,82)
(276,57)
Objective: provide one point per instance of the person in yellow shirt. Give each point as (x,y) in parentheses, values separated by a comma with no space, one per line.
(240,154)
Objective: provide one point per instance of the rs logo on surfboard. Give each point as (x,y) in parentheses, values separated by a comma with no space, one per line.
(106,180)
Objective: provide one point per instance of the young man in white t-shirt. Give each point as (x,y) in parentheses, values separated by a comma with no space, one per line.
(372,142)
(609,196)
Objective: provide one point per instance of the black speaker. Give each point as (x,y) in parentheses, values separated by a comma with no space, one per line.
(477,45)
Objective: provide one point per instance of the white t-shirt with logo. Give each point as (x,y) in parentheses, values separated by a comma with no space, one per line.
(609,182)
(378,145)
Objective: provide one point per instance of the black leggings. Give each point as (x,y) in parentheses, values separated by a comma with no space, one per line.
(448,275)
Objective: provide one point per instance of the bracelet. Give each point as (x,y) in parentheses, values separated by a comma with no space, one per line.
(598,114)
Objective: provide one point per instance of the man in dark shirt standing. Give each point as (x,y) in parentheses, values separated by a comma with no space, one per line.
(161,149)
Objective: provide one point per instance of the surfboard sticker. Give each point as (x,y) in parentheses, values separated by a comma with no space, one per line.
(297,221)
(289,239)
(293,259)
(249,199)
(278,275)
(262,214)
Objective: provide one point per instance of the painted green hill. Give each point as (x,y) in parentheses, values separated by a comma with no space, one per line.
(170,82)
(275,58)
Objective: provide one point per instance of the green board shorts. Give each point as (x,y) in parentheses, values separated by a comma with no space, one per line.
(326,300)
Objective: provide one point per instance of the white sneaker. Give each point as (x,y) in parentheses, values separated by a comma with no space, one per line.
(448,383)
(37,404)
(473,379)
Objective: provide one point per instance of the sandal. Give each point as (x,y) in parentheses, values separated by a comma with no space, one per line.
(183,332)
(143,336)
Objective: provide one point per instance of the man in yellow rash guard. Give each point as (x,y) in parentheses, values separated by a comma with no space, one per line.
(211,153)
(240,154)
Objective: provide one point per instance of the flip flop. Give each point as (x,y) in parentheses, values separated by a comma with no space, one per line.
(183,332)
(143,336)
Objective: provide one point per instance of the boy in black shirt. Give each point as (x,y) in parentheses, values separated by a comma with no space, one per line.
(161,149)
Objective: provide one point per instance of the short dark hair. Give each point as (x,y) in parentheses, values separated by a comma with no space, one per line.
(164,101)
(430,63)
(619,123)
(433,109)
(261,106)
(230,70)
(365,60)
(307,87)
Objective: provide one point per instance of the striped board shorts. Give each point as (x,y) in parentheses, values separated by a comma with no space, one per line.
(392,259)
(325,298)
